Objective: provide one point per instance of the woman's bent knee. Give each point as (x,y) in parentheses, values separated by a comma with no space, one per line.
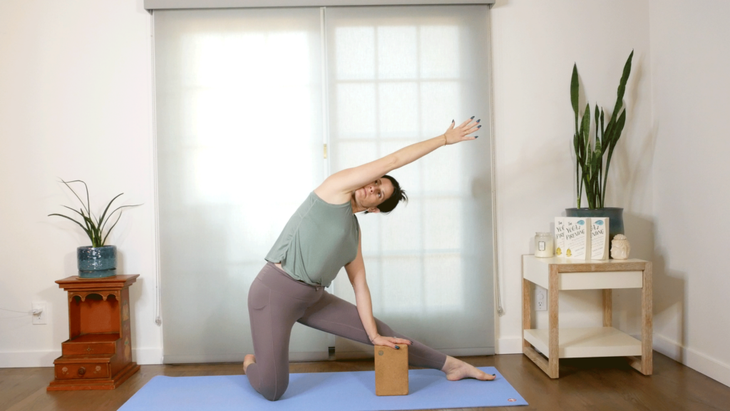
(272,394)
(269,384)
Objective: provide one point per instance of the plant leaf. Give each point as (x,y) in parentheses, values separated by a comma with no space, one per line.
(622,86)
(103,215)
(618,129)
(88,204)
(86,230)
(614,139)
(115,223)
(574,90)
(585,128)
(93,229)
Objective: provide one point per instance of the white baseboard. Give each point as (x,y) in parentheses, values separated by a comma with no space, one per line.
(509,345)
(711,367)
(28,359)
(147,356)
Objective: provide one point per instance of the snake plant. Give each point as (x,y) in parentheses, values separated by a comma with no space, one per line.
(593,156)
(93,226)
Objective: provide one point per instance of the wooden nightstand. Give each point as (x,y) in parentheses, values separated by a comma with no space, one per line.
(98,353)
(555,274)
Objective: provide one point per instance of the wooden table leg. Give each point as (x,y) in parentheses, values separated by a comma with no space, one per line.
(607,308)
(527,349)
(647,328)
(645,363)
(526,311)
(554,339)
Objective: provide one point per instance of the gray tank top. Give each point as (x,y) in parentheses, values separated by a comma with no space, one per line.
(319,239)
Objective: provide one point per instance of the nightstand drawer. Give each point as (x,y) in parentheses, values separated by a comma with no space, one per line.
(82,370)
(601,280)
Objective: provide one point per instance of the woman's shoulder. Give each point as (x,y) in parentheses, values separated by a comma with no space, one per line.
(329,197)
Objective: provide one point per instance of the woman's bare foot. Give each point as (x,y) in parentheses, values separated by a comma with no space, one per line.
(248,360)
(456,370)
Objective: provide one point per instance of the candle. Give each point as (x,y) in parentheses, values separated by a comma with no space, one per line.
(543,245)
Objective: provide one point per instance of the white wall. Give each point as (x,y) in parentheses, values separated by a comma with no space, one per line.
(535,44)
(75,102)
(691,102)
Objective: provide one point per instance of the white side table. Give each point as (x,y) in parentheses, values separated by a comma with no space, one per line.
(558,273)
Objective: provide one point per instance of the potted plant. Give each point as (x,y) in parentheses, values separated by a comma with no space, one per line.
(593,152)
(97,260)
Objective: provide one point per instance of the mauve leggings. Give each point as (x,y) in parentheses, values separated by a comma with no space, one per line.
(276,301)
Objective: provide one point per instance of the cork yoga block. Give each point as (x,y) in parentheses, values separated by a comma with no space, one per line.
(391,370)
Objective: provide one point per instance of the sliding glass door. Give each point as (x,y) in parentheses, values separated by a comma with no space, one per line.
(256,107)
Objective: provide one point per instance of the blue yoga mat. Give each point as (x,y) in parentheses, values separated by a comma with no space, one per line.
(327,391)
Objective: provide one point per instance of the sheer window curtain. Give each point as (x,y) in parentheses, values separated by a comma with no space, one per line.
(398,75)
(239,146)
(245,100)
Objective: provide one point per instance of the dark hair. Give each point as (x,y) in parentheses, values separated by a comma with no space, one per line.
(395,198)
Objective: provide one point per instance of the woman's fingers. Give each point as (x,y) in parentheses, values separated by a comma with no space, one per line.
(397,342)
(392,342)
(401,341)
(470,125)
(463,131)
(467,122)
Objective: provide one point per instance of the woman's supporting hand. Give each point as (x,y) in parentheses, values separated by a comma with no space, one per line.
(391,342)
(455,134)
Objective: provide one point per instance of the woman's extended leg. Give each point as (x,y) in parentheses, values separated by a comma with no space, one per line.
(337,316)
(275,302)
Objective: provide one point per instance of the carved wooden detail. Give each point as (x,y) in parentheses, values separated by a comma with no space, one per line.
(82,295)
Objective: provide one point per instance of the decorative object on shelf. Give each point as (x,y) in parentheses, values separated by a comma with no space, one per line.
(593,155)
(544,245)
(581,238)
(97,260)
(614,215)
(571,237)
(599,238)
(620,247)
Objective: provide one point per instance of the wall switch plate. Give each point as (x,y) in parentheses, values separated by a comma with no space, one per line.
(40,313)
(540,298)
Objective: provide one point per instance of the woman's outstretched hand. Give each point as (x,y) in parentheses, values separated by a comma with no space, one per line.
(391,342)
(455,134)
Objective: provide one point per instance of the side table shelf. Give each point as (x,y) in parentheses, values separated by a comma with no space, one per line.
(555,274)
(98,353)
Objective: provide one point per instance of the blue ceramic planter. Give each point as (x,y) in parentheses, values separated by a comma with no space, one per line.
(97,262)
(615,217)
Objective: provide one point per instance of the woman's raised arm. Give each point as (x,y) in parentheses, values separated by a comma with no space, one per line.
(338,187)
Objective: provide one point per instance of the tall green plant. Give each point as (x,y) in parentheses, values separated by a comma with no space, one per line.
(594,155)
(93,226)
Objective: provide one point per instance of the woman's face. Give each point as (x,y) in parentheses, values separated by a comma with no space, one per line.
(373,194)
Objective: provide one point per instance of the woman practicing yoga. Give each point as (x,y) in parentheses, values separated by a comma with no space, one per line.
(321,237)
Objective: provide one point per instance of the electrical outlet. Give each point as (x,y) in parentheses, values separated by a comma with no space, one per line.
(540,299)
(40,313)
